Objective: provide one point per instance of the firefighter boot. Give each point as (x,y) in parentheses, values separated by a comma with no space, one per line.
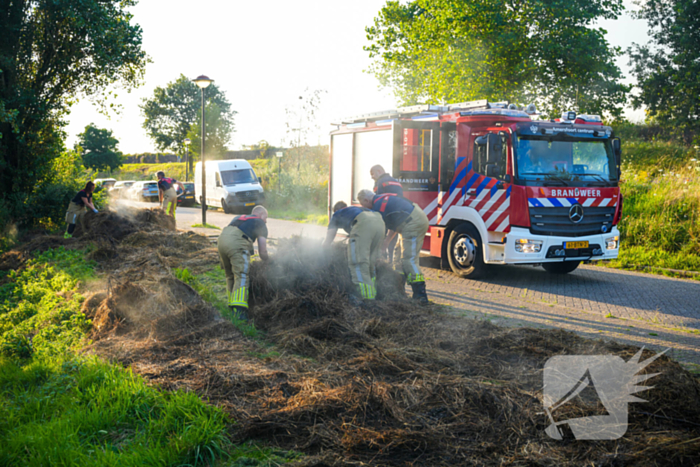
(239,312)
(355,300)
(419,292)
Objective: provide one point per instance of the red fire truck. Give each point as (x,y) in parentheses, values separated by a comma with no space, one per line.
(498,186)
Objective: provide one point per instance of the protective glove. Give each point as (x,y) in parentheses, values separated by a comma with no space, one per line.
(95,211)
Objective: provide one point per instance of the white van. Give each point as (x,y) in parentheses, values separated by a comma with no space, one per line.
(231,185)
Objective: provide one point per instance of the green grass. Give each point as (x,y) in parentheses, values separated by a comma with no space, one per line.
(250,454)
(40,305)
(59,408)
(299,216)
(87,412)
(206,226)
(174,170)
(211,286)
(660,226)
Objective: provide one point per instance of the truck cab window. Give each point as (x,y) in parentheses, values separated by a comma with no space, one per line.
(489,159)
(218,179)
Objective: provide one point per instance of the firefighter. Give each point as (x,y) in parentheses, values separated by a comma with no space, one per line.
(408,219)
(235,247)
(78,207)
(385,183)
(167,194)
(366,229)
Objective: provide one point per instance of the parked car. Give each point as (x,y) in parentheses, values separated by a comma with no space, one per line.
(104,184)
(120,188)
(143,191)
(186,198)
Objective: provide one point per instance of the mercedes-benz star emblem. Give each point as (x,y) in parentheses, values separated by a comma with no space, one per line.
(576,213)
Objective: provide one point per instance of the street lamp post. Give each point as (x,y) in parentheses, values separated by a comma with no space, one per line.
(203,81)
(187,158)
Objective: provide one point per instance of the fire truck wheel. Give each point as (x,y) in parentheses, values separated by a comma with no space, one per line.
(464,253)
(561,268)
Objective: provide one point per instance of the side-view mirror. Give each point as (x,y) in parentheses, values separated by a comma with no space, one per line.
(493,170)
(617,151)
(495,148)
(617,147)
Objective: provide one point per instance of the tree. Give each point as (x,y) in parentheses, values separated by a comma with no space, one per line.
(261,146)
(541,51)
(173,110)
(668,68)
(53,52)
(301,122)
(219,128)
(99,149)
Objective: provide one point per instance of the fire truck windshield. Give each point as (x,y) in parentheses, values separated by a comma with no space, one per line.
(565,161)
(232,177)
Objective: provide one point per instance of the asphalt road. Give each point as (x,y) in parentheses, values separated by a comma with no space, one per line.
(642,309)
(187,217)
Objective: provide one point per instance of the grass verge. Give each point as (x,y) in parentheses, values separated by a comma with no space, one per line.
(299,216)
(59,408)
(205,226)
(211,286)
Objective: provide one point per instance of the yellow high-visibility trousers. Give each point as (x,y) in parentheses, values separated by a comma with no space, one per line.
(364,249)
(170,200)
(413,232)
(235,251)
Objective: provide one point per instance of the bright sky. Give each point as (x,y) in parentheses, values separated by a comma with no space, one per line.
(264,55)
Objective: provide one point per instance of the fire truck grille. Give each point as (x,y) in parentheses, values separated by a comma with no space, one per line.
(247,195)
(555,221)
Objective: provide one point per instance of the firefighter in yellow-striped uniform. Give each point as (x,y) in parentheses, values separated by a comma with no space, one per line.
(235,247)
(366,229)
(408,219)
(167,194)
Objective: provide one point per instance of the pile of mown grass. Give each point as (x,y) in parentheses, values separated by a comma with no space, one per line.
(396,383)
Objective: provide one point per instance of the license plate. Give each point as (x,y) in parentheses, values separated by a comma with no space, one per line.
(575,245)
(250,204)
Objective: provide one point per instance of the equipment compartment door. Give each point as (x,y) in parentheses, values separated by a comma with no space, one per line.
(416,155)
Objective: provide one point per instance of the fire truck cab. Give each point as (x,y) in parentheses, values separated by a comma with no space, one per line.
(497,186)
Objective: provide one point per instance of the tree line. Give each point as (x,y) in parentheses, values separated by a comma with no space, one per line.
(547,52)
(550,52)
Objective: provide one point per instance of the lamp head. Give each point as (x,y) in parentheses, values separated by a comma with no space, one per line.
(187,141)
(202,81)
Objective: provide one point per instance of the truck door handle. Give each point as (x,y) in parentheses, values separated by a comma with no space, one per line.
(471,192)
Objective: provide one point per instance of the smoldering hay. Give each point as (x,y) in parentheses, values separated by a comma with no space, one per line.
(386,383)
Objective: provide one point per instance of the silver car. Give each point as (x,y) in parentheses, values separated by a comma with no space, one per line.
(143,191)
(120,188)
